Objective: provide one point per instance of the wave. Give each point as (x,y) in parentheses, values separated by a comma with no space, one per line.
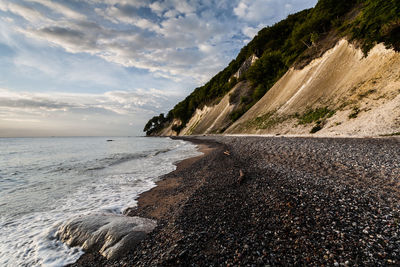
(102,163)
(70,181)
(119,158)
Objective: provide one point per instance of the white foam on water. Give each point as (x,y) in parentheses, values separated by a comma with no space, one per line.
(28,236)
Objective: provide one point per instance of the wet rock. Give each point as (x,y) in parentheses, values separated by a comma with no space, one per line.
(109,234)
(305,201)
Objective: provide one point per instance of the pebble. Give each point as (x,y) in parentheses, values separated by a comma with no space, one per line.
(305,201)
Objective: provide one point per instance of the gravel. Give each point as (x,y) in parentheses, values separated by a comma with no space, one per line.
(282,201)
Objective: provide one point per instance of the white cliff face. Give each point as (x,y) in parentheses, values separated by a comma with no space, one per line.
(245,66)
(214,119)
(168,130)
(363,91)
(109,234)
(209,120)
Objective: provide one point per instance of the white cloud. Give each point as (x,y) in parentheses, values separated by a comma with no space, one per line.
(177,6)
(158,7)
(173,44)
(183,6)
(171,51)
(60,9)
(57,112)
(241,9)
(257,10)
(118,14)
(171,13)
(251,31)
(269,11)
(136,3)
(25,12)
(118,102)
(185,42)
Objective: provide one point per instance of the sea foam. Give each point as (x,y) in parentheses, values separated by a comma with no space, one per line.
(46,181)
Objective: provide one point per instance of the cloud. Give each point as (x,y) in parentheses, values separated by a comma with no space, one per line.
(127,14)
(259,10)
(62,35)
(28,13)
(137,3)
(268,11)
(167,38)
(32,104)
(250,31)
(261,13)
(168,46)
(60,9)
(176,6)
(52,49)
(64,113)
(117,102)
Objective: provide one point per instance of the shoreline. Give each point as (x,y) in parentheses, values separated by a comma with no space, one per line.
(322,201)
(160,201)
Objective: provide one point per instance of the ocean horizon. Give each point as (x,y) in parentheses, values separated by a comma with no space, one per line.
(45,181)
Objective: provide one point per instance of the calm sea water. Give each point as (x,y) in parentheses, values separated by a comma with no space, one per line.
(45,181)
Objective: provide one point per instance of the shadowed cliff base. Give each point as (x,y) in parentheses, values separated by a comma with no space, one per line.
(278,201)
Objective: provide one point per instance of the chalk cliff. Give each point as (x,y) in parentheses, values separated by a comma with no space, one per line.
(333,70)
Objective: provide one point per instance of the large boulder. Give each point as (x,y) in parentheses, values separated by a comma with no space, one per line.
(109,234)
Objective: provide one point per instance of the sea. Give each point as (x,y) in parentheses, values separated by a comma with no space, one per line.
(46,181)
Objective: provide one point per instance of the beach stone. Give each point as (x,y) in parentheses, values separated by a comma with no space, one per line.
(110,234)
(336,187)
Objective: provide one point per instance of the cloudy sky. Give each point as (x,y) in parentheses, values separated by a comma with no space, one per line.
(104,67)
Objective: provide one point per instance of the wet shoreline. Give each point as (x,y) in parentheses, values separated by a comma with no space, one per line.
(260,200)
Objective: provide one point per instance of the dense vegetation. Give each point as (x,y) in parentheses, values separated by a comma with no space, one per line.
(280,45)
(155,124)
(379,21)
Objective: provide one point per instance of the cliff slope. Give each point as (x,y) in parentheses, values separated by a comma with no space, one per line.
(332,70)
(341,93)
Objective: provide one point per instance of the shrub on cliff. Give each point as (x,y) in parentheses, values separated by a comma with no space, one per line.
(280,45)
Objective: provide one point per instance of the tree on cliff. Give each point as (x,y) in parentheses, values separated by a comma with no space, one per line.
(288,42)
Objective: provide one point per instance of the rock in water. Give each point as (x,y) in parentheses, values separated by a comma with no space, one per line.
(110,234)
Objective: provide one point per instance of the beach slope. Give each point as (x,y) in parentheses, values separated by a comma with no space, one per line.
(276,201)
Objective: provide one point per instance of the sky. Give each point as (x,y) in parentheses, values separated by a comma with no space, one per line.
(104,67)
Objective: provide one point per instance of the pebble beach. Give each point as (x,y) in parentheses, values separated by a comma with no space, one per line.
(254,201)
